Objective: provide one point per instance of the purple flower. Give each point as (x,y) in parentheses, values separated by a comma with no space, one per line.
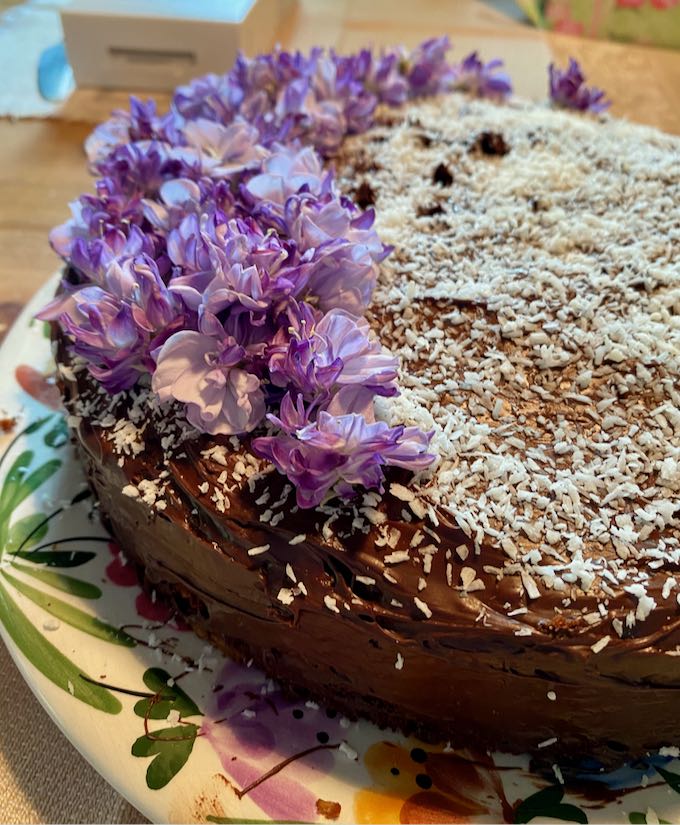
(317,355)
(93,216)
(334,454)
(207,375)
(429,73)
(220,151)
(214,97)
(482,79)
(387,81)
(238,287)
(285,173)
(116,324)
(234,262)
(92,259)
(136,168)
(217,255)
(140,124)
(316,98)
(176,199)
(346,251)
(107,136)
(568,91)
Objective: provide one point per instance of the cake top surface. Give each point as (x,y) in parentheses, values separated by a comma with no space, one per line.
(533,299)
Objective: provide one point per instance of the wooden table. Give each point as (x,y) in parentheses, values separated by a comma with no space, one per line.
(42,168)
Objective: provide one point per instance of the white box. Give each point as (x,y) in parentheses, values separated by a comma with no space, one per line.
(158,44)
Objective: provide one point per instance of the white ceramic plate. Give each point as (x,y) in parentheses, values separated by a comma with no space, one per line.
(182,732)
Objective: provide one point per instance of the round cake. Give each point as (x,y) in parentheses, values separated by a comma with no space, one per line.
(498,565)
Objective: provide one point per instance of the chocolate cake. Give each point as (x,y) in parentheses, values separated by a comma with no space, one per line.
(519,592)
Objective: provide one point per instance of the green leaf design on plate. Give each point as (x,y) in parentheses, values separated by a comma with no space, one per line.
(36,479)
(548,802)
(18,485)
(36,425)
(26,532)
(51,662)
(638,818)
(171,748)
(670,778)
(58,558)
(57,436)
(172,698)
(67,584)
(71,615)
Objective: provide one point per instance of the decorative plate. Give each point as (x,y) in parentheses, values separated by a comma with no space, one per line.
(187,735)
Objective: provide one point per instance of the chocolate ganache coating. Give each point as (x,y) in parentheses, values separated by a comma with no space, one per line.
(543,619)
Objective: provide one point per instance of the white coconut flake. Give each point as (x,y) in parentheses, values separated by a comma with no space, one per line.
(600,644)
(286,595)
(423,607)
(331,603)
(401,492)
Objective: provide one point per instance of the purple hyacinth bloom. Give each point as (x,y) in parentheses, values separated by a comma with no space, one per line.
(136,168)
(429,73)
(317,355)
(346,251)
(220,151)
(116,324)
(568,90)
(334,454)
(482,79)
(387,81)
(207,375)
(176,198)
(94,215)
(213,97)
(285,172)
(92,259)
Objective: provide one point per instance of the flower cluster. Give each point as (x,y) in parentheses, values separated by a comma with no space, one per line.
(316,98)
(568,90)
(217,258)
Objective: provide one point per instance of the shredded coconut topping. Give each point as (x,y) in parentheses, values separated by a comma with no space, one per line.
(534,301)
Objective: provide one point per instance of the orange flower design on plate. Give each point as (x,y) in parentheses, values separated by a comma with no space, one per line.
(430,785)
